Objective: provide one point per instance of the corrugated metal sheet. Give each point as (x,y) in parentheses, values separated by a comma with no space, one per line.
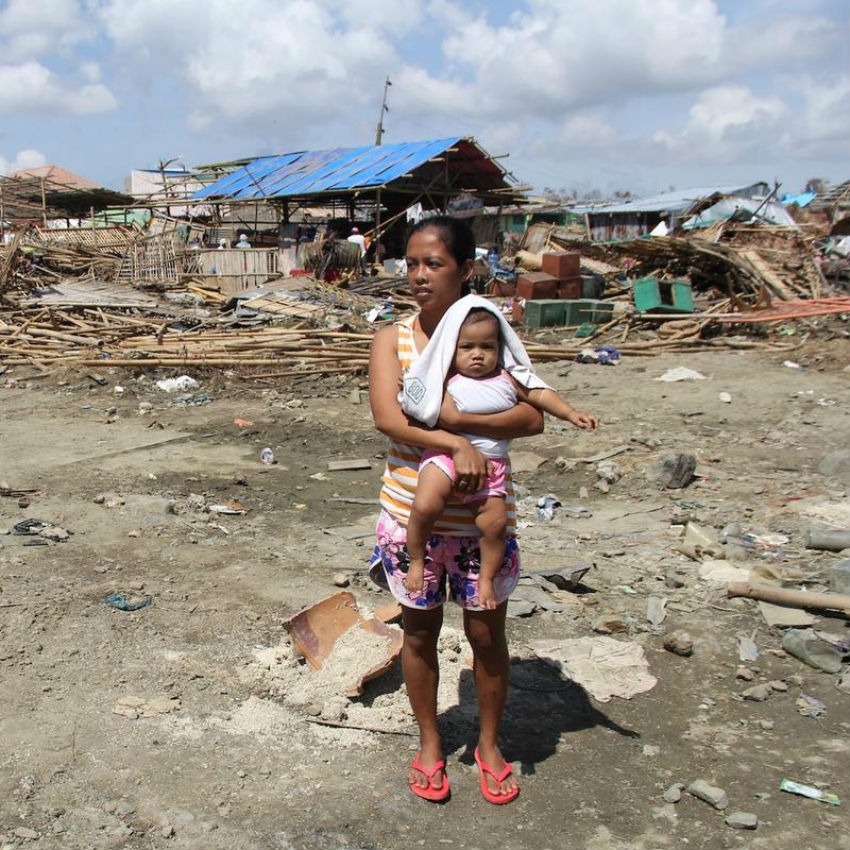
(313,172)
(672,201)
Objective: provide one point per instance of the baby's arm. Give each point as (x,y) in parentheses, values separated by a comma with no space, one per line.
(549,401)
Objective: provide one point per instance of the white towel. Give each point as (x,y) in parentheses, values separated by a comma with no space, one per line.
(422,394)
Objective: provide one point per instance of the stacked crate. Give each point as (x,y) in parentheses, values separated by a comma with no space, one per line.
(566,269)
(548,292)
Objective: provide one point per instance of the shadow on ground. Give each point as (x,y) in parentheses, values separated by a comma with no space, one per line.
(542,706)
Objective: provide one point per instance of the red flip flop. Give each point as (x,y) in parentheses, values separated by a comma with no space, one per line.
(434,795)
(491,796)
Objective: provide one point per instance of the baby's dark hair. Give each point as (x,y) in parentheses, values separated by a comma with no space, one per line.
(480,314)
(455,233)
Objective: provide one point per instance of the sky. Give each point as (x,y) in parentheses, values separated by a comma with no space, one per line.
(582,95)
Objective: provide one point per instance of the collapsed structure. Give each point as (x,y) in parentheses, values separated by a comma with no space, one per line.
(95,277)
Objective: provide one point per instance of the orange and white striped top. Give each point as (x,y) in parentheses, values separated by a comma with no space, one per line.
(402,469)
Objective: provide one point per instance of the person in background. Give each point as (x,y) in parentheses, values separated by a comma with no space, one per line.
(243,241)
(358,239)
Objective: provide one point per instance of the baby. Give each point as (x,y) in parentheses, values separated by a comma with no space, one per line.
(478,384)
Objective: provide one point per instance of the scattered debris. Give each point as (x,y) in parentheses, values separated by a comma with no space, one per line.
(605,667)
(135,707)
(679,643)
(680,373)
(806,646)
(742,820)
(359,649)
(711,794)
(809,791)
(127,601)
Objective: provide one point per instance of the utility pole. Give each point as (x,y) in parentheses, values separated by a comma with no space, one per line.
(379,134)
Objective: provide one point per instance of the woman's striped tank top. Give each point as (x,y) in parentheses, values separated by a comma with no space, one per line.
(402,468)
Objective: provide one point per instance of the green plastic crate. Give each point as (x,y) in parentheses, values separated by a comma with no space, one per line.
(573,313)
(593,310)
(666,296)
(545,313)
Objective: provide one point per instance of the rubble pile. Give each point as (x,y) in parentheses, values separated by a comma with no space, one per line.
(153,297)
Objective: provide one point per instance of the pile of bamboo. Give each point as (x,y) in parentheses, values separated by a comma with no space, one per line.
(94,338)
(101,338)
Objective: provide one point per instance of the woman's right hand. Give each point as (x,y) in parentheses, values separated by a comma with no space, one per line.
(470,467)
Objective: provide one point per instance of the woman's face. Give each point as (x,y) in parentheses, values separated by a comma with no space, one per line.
(433,274)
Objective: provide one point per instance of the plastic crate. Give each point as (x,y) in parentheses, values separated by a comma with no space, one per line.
(572,313)
(593,310)
(666,296)
(544,313)
(570,289)
(561,266)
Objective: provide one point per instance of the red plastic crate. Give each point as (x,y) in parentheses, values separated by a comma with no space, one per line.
(534,286)
(570,289)
(562,266)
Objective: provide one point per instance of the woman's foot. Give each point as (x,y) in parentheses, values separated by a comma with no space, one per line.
(427,778)
(498,783)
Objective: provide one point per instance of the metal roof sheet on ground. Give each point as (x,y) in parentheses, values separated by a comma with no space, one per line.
(668,201)
(326,171)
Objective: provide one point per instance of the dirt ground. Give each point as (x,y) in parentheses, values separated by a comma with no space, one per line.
(229,760)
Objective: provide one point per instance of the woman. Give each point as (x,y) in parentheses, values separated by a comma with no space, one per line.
(440,257)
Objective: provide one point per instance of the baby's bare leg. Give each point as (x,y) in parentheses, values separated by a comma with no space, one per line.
(432,492)
(491,520)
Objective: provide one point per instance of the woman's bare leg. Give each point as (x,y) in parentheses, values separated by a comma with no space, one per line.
(422,676)
(485,631)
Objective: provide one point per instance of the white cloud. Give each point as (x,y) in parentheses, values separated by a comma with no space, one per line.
(266,59)
(726,123)
(90,71)
(726,109)
(557,56)
(823,129)
(31,88)
(782,38)
(606,88)
(22,159)
(31,28)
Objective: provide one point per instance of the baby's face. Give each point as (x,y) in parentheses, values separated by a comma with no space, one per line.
(477,352)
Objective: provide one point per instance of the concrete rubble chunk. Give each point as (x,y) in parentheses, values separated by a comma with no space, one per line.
(742,820)
(711,794)
(807,647)
(679,643)
(758,693)
(564,578)
(25,833)
(537,597)
(672,471)
(674,793)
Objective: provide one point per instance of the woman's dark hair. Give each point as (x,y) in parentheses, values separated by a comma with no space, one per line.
(456,234)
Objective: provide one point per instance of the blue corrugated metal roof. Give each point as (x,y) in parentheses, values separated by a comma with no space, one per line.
(311,172)
(678,201)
